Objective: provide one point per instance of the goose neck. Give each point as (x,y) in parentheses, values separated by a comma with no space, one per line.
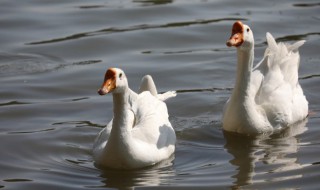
(244,69)
(121,110)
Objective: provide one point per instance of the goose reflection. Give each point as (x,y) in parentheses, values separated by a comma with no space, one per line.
(129,179)
(256,156)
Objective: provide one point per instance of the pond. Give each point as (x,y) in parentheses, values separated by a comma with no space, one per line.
(52,61)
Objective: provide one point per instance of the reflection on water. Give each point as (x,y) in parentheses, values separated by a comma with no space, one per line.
(150,176)
(251,153)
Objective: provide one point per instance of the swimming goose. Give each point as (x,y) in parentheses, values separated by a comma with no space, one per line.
(267,97)
(140,133)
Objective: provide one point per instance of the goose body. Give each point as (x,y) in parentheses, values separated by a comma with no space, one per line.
(266,97)
(140,133)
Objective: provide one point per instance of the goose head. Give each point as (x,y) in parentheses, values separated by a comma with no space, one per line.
(241,36)
(115,81)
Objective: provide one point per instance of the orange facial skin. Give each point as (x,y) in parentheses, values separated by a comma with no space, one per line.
(236,38)
(109,83)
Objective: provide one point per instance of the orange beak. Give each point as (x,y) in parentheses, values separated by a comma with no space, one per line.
(109,83)
(236,38)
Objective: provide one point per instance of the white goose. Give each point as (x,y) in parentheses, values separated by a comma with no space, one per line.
(267,97)
(140,133)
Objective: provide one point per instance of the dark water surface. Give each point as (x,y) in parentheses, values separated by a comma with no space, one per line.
(52,60)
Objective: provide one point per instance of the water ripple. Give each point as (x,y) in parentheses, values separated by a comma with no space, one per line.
(214,89)
(153,2)
(17,180)
(79,123)
(112,30)
(306,4)
(12,103)
(297,37)
(31,132)
(310,76)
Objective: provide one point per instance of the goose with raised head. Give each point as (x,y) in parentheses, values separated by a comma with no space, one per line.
(140,133)
(266,97)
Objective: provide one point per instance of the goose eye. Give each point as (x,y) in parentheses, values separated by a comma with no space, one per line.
(248,29)
(120,75)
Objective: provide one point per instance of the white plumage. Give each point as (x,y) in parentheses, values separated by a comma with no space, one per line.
(269,96)
(140,133)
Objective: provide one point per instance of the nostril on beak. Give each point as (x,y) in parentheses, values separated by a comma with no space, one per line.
(228,43)
(101,92)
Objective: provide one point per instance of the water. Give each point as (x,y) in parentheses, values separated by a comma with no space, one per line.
(52,61)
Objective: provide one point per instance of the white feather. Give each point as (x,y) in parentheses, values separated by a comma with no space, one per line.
(272,97)
(139,135)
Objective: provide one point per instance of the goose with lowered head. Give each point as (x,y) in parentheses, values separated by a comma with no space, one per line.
(140,133)
(266,97)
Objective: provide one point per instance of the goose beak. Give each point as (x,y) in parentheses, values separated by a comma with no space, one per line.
(109,83)
(101,92)
(107,86)
(236,38)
